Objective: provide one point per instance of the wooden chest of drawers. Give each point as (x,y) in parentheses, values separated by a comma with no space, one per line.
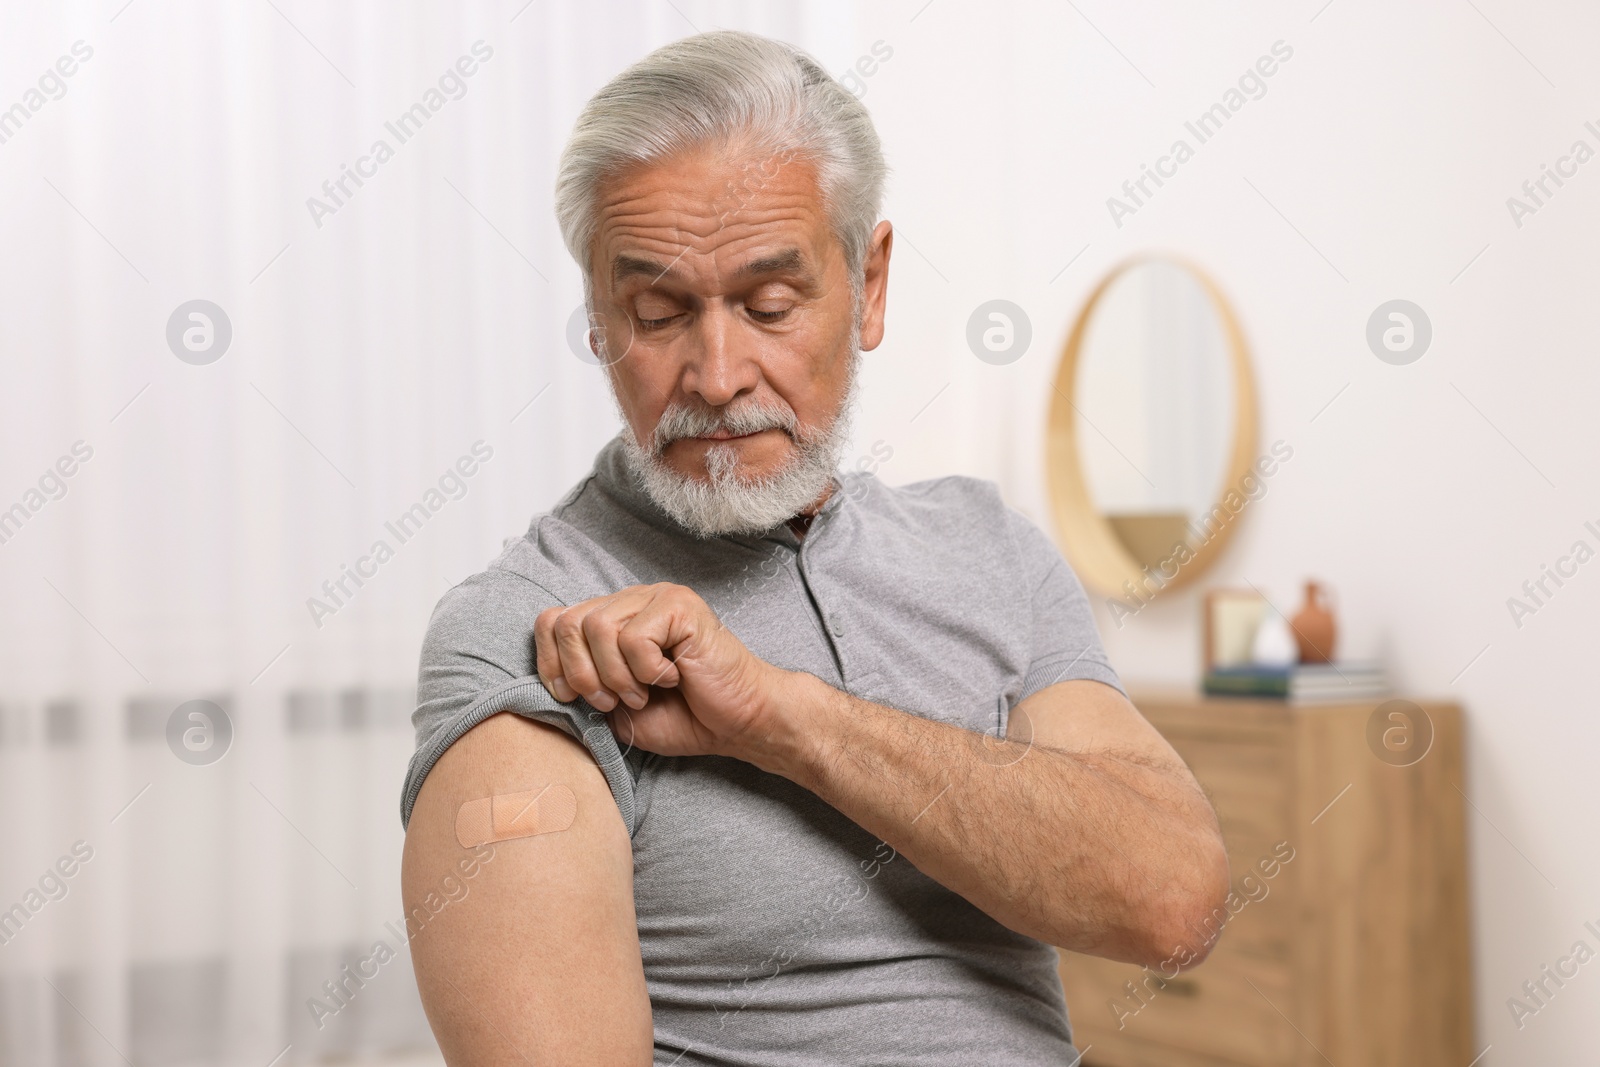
(1354,951)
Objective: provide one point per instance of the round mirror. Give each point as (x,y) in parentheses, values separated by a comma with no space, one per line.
(1152,422)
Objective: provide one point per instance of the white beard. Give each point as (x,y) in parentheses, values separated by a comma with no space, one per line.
(728,501)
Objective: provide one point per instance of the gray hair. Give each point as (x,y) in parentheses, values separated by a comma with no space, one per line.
(718,89)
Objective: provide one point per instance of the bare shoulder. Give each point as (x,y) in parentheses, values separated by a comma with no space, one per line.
(535,952)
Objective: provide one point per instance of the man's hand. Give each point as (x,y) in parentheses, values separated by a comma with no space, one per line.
(678,681)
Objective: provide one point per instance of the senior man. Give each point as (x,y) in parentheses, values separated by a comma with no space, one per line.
(782,766)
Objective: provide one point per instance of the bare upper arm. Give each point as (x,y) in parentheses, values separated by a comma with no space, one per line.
(534,957)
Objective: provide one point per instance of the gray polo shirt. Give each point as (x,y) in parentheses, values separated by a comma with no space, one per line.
(776,932)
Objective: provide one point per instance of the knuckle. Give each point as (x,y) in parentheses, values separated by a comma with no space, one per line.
(597,624)
(633,643)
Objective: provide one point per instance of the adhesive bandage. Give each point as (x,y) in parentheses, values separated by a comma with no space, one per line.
(545,810)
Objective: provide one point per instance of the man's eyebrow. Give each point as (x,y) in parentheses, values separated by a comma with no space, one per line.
(626,266)
(788,261)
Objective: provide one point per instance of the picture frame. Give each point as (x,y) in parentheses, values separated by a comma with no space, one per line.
(1230,619)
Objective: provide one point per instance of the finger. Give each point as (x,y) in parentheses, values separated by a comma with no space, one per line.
(577,665)
(600,629)
(644,654)
(675,621)
(547,658)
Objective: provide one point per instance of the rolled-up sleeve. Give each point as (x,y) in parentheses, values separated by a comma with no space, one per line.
(478,660)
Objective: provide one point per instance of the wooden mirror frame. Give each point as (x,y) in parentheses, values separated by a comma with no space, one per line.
(1090,542)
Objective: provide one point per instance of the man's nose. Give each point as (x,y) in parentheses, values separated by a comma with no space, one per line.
(722,365)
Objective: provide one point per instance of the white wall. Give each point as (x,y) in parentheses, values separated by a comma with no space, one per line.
(422,317)
(1390,141)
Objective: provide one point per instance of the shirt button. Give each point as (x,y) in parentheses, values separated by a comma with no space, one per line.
(838,628)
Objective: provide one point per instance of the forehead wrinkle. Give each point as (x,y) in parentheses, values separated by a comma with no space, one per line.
(706,180)
(695,219)
(663,211)
(684,226)
(701,227)
(681,258)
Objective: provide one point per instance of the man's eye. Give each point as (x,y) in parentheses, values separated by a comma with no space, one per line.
(766,316)
(655,324)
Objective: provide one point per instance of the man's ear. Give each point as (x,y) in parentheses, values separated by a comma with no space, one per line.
(875,285)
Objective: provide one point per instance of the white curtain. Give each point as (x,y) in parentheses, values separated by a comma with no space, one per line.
(401,343)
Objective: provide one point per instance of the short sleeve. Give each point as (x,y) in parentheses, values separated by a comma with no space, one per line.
(1065,643)
(477,661)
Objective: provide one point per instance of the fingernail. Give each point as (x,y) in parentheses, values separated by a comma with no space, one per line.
(634,699)
(601,699)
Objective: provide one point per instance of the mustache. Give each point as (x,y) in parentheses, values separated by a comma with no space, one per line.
(683,419)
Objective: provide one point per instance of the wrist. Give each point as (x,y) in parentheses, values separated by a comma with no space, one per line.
(792,725)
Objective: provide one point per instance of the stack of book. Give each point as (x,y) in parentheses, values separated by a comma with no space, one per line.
(1302,683)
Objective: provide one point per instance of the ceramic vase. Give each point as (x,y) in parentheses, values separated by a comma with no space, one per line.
(1273,645)
(1314,628)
